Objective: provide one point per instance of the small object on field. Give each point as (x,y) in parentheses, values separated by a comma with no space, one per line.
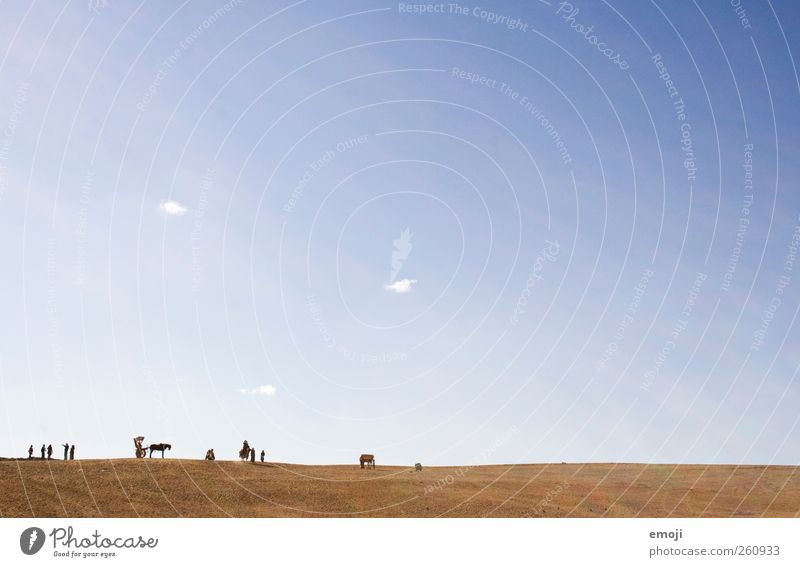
(141,452)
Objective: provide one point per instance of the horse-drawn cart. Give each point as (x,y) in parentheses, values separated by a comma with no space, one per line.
(141,452)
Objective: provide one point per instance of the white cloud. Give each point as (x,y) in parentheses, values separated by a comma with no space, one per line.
(400,286)
(172,208)
(266,390)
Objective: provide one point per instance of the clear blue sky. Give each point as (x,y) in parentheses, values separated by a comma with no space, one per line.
(503,232)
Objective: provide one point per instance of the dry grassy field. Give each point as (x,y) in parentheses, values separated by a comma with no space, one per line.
(192,488)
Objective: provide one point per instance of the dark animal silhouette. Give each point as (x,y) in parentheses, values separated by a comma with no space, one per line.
(210,455)
(418,467)
(244,453)
(160,447)
(367,459)
(72,453)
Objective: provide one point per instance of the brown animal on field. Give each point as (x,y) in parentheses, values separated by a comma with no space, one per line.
(160,447)
(367,459)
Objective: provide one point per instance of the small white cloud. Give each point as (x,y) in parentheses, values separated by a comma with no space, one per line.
(172,208)
(400,286)
(266,390)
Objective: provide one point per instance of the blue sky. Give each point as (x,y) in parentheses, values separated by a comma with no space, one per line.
(491,234)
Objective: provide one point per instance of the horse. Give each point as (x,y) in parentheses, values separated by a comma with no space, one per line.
(210,455)
(368,459)
(418,467)
(244,452)
(159,447)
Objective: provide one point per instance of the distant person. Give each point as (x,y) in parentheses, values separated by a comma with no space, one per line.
(262,456)
(49,452)
(43,450)
(30,452)
(72,453)
(66,450)
(252,455)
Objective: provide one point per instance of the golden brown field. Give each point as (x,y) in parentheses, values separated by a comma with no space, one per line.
(193,488)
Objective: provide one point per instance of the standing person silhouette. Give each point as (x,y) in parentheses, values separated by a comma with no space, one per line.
(253,455)
(49,452)
(72,453)
(262,455)
(43,450)
(66,449)
(30,452)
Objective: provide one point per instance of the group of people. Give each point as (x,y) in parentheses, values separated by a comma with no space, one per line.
(247,450)
(69,452)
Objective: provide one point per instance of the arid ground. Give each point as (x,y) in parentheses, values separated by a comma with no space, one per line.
(192,488)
